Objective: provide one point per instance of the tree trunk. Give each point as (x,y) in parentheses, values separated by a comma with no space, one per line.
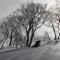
(27,32)
(58,31)
(3,43)
(59,36)
(27,39)
(55,38)
(10,39)
(32,35)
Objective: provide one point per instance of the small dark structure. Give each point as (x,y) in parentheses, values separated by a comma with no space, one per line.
(37,44)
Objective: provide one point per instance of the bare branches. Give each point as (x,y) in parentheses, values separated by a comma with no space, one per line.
(31,17)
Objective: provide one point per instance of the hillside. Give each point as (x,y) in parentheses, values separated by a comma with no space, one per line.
(41,53)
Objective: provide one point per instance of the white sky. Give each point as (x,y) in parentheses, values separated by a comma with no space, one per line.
(6,6)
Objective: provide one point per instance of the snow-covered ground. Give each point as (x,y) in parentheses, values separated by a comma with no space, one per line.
(48,52)
(56,49)
(7,49)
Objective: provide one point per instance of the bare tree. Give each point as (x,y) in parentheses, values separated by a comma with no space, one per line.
(53,22)
(32,17)
(15,30)
(5,32)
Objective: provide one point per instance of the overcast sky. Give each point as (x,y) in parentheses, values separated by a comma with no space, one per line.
(6,6)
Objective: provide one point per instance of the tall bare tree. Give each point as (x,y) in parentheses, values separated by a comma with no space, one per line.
(52,19)
(5,32)
(32,17)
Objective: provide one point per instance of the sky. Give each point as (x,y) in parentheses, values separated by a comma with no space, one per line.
(7,6)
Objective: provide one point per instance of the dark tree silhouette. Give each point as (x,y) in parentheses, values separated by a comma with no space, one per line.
(37,44)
